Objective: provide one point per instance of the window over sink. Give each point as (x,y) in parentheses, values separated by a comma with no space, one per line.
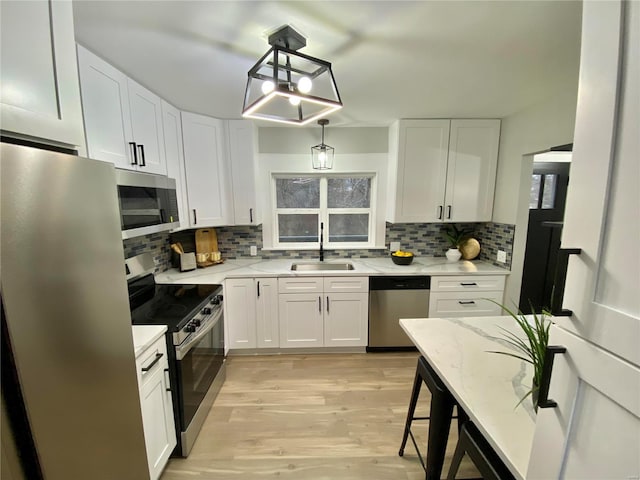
(343,203)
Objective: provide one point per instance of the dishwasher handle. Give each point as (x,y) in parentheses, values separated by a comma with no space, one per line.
(417,282)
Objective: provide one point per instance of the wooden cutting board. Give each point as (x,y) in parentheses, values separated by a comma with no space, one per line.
(206,240)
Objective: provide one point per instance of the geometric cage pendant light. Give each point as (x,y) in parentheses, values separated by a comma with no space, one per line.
(322,155)
(287,86)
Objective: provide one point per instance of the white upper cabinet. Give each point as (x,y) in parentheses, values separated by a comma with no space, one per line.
(471,170)
(174,154)
(105,102)
(241,159)
(39,92)
(442,170)
(418,170)
(209,198)
(146,126)
(123,120)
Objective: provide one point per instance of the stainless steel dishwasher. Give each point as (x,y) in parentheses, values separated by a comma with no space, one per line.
(390,299)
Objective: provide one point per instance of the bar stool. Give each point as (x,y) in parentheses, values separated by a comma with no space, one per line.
(440,414)
(486,460)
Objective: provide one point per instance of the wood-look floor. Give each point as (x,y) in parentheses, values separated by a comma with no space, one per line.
(321,416)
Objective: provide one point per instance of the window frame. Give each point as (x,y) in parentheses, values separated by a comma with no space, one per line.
(324,212)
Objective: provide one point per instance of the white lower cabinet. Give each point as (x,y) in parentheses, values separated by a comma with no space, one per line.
(332,311)
(156,404)
(251,312)
(466,296)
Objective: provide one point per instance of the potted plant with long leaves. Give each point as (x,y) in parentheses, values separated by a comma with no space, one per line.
(532,347)
(456,238)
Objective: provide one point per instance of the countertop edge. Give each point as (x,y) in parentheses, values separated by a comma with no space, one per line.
(364,267)
(146,335)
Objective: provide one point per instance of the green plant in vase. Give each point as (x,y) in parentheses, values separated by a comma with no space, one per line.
(456,238)
(532,347)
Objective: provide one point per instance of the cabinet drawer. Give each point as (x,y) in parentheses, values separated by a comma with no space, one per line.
(346,284)
(300,285)
(150,360)
(466,283)
(453,304)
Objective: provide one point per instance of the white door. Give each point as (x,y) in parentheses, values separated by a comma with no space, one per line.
(242,167)
(146,125)
(422,170)
(240,312)
(105,103)
(39,90)
(471,170)
(594,432)
(207,181)
(174,154)
(267,325)
(301,321)
(157,419)
(346,319)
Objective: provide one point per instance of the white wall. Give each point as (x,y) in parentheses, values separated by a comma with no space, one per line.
(288,150)
(524,133)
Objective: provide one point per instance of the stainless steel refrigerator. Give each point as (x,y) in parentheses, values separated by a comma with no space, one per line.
(69,386)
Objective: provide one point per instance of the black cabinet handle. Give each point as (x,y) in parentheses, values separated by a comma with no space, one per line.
(468,284)
(258,284)
(154,361)
(195,217)
(319,303)
(545,380)
(561,280)
(327,303)
(251,215)
(143,162)
(439,212)
(134,153)
(466,302)
(449,211)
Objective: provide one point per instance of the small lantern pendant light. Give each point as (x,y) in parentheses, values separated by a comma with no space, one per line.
(322,155)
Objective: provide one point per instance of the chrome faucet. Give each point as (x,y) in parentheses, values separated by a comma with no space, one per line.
(321,235)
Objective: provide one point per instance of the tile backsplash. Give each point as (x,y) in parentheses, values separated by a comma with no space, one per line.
(421,238)
(156,243)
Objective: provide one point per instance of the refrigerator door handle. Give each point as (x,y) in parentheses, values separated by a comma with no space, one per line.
(543,396)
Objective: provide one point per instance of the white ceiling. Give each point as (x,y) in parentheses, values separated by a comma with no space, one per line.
(391,59)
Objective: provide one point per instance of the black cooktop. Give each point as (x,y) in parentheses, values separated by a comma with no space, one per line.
(170,305)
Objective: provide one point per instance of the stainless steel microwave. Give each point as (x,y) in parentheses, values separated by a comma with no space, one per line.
(148,203)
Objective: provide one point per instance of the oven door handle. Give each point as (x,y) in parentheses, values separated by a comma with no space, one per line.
(183,349)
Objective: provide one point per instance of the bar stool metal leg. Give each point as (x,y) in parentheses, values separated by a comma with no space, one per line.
(483,456)
(440,415)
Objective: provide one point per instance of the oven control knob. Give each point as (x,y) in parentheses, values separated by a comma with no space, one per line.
(206,311)
(216,300)
(190,328)
(196,322)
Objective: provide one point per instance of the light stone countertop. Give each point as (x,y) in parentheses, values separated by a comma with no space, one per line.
(487,385)
(216,274)
(145,335)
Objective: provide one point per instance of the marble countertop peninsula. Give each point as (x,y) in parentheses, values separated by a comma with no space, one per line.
(487,385)
(216,274)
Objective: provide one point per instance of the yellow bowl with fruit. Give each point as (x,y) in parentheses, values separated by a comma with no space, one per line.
(401,257)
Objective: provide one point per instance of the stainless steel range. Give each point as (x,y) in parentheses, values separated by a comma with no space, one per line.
(194,318)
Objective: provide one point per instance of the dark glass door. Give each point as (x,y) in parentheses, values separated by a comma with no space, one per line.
(546,211)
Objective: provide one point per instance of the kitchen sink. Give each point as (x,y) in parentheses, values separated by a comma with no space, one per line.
(314,267)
